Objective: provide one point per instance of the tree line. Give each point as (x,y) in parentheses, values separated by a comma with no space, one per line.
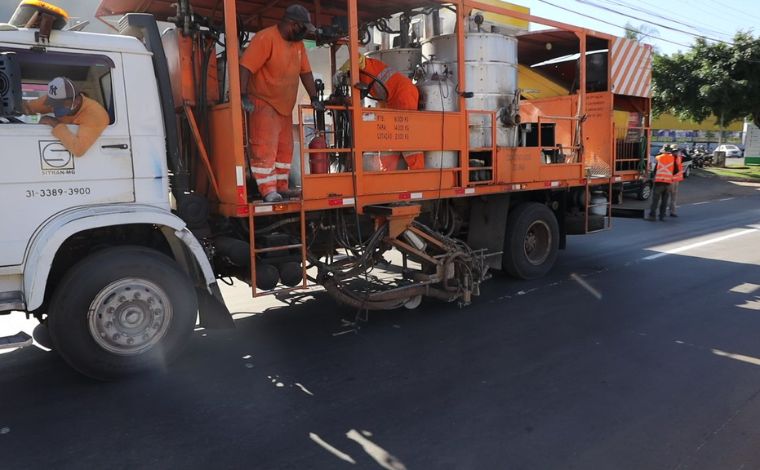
(720,79)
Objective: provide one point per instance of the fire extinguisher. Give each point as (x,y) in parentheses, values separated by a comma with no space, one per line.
(319,161)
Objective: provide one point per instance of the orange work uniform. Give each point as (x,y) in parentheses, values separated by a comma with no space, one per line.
(402,94)
(91,118)
(276,66)
(679,167)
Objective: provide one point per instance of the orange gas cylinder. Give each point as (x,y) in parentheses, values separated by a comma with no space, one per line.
(318,162)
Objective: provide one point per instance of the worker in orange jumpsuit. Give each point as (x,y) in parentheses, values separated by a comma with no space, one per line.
(70,107)
(270,69)
(396,91)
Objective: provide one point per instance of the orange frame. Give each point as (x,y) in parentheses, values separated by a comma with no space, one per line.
(513,169)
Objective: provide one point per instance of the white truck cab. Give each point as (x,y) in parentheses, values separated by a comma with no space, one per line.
(89,244)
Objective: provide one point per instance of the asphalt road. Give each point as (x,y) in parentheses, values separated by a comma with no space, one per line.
(639,351)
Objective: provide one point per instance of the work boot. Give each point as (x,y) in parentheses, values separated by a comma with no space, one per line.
(651,217)
(673,215)
(290,193)
(273,197)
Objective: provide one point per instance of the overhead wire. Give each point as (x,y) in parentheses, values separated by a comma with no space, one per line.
(659,15)
(715,14)
(694,6)
(613,24)
(661,25)
(744,13)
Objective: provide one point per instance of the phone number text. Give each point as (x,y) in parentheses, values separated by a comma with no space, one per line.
(57,192)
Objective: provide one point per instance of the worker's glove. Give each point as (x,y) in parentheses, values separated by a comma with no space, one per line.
(318,105)
(247,105)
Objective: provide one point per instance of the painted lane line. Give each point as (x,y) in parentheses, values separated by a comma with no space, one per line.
(726,199)
(739,357)
(700,244)
(341,455)
(700,203)
(595,293)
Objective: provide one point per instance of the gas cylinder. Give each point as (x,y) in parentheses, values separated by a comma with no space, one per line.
(318,162)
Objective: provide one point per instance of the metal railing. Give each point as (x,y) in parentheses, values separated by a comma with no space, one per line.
(631,148)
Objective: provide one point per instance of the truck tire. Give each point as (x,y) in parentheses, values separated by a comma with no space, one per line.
(531,241)
(121,311)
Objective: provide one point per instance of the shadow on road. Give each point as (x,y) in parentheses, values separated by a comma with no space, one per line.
(532,375)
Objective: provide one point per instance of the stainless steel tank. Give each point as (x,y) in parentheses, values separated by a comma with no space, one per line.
(438,93)
(490,74)
(478,47)
(437,89)
(404,60)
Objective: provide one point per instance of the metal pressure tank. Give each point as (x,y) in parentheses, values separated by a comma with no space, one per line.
(490,74)
(438,93)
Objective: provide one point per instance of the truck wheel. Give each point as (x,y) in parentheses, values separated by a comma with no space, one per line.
(120,311)
(531,241)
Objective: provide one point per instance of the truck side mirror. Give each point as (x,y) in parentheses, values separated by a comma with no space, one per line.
(10,85)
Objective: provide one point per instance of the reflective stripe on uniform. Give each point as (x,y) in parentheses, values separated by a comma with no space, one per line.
(258,169)
(383,78)
(266,179)
(282,166)
(665,164)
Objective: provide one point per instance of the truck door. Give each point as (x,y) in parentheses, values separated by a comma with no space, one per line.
(39,176)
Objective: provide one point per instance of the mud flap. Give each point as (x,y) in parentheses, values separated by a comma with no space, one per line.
(213,312)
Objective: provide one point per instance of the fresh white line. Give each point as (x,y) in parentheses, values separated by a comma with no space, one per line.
(699,244)
(700,203)
(726,199)
(341,455)
(304,389)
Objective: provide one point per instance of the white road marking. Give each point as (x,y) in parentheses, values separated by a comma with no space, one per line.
(380,455)
(726,199)
(699,244)
(587,286)
(739,357)
(304,389)
(700,203)
(341,455)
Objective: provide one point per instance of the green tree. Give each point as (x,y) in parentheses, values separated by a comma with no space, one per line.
(712,79)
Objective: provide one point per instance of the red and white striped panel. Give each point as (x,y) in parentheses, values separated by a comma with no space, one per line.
(631,68)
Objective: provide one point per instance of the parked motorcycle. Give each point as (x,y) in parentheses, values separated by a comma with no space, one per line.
(699,156)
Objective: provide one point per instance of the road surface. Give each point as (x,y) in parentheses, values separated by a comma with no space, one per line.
(639,351)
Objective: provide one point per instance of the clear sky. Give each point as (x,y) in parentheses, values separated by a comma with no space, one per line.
(718,19)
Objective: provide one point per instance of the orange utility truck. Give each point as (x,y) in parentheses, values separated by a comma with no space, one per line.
(119,248)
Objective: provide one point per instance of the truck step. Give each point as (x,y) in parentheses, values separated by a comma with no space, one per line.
(19,340)
(13,300)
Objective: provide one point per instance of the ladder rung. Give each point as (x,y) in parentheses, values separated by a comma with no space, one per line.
(277,248)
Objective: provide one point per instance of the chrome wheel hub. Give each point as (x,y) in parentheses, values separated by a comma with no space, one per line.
(537,242)
(129,316)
